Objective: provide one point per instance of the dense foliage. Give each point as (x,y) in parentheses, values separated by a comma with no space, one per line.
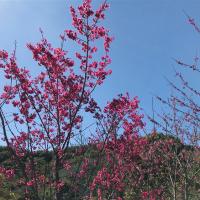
(153,170)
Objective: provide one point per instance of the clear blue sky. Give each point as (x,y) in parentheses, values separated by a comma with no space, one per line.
(148,34)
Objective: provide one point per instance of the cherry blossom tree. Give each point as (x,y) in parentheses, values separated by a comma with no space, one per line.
(48,109)
(182,121)
(48,113)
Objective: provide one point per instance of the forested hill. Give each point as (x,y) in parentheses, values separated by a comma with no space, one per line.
(165,160)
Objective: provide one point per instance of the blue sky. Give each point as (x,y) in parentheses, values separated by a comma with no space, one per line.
(148,34)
